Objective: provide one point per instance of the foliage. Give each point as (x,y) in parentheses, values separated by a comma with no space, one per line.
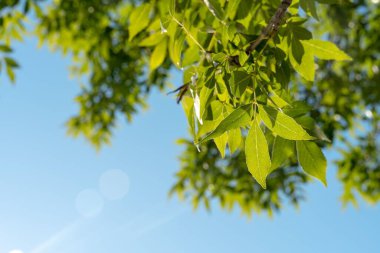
(267,84)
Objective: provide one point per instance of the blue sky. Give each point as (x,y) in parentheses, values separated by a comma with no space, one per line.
(45,175)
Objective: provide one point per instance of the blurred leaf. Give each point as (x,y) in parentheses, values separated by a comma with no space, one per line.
(139,19)
(158,55)
(326,50)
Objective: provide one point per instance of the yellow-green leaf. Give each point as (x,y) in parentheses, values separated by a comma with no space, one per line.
(221,143)
(257,153)
(234,140)
(238,118)
(158,55)
(139,20)
(302,62)
(325,50)
(175,47)
(188,107)
(312,160)
(152,40)
(283,125)
(282,149)
(215,8)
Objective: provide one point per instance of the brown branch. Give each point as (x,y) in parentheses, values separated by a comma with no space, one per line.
(272,27)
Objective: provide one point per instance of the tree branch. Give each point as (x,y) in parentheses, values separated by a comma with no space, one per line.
(272,27)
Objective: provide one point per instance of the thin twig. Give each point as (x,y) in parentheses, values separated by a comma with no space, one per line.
(189,34)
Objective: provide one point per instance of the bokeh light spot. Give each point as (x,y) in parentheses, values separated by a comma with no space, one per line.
(114,184)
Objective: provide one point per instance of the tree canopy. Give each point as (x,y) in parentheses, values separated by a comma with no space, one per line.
(267,85)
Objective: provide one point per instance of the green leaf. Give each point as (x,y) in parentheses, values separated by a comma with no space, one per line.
(282,149)
(298,108)
(11,63)
(215,8)
(309,7)
(208,126)
(325,50)
(276,100)
(234,140)
(10,73)
(232,8)
(302,61)
(243,57)
(214,110)
(206,94)
(158,55)
(175,47)
(312,159)
(4,48)
(309,123)
(221,143)
(139,20)
(188,107)
(152,40)
(240,117)
(238,82)
(221,88)
(220,57)
(283,125)
(190,56)
(257,153)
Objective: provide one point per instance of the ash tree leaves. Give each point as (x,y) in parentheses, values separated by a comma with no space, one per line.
(303,49)
(239,96)
(240,99)
(247,103)
(302,56)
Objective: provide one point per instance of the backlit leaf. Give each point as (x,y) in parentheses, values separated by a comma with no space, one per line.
(283,125)
(302,61)
(326,50)
(282,149)
(257,153)
(238,118)
(234,139)
(158,55)
(139,20)
(221,143)
(312,160)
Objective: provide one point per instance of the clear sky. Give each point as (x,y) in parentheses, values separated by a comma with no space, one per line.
(56,195)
